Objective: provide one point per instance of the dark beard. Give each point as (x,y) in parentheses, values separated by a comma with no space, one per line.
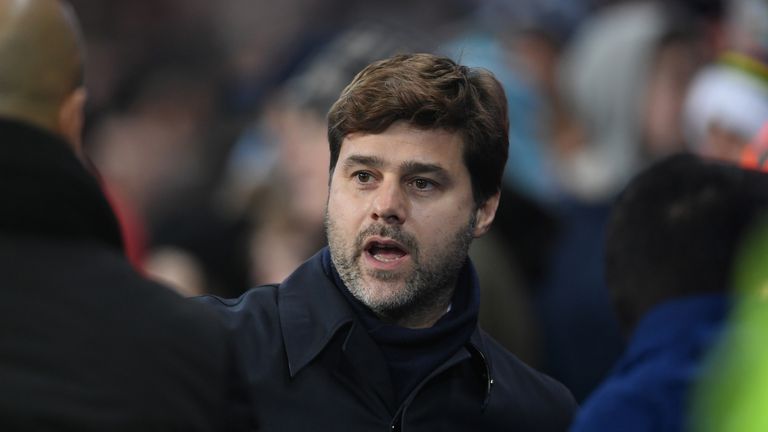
(431,285)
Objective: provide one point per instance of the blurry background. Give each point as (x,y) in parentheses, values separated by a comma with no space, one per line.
(207,122)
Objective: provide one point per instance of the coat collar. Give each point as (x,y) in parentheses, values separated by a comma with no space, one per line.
(313,311)
(47,191)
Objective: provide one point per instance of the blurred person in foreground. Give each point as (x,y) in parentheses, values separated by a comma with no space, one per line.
(671,248)
(85,342)
(733,394)
(379,330)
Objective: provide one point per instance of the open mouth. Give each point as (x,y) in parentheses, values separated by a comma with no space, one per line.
(385,250)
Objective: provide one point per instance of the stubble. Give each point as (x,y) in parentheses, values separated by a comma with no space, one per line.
(408,298)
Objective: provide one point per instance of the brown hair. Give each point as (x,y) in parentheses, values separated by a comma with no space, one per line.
(429,92)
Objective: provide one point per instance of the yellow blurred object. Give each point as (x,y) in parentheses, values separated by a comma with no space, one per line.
(733,393)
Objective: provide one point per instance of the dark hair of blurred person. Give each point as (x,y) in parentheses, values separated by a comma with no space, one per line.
(674,232)
(671,244)
(85,343)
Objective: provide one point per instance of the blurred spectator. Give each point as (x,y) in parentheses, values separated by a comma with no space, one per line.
(157,157)
(626,64)
(609,79)
(728,101)
(85,342)
(725,107)
(746,29)
(731,394)
(265,43)
(671,249)
(154,151)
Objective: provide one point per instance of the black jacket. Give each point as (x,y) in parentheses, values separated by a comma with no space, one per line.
(86,344)
(312,366)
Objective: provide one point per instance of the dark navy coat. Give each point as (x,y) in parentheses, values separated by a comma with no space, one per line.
(311,366)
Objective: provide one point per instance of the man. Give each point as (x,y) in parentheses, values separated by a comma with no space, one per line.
(85,343)
(379,330)
(671,244)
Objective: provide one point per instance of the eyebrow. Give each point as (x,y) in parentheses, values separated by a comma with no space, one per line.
(371,161)
(413,167)
(407,168)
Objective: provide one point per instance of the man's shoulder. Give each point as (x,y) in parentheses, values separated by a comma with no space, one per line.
(264,304)
(259,299)
(254,313)
(536,395)
(508,366)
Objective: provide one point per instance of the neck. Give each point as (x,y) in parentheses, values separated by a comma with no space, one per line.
(27,113)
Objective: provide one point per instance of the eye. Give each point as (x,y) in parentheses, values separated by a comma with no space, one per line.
(423,184)
(363,177)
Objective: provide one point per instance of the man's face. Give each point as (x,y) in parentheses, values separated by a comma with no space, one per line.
(400,218)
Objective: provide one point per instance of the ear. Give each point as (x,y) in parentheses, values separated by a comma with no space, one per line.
(71,119)
(485,214)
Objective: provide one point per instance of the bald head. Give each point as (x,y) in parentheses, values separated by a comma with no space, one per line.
(41,63)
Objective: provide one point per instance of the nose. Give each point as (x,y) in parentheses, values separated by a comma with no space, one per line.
(390,205)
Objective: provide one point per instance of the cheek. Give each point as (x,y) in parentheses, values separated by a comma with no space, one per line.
(341,208)
(434,227)
(447,212)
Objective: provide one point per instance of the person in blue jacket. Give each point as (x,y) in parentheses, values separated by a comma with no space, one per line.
(378,331)
(671,243)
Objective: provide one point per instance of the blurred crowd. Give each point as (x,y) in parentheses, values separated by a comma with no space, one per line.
(206,121)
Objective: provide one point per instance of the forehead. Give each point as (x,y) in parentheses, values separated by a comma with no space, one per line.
(402,143)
